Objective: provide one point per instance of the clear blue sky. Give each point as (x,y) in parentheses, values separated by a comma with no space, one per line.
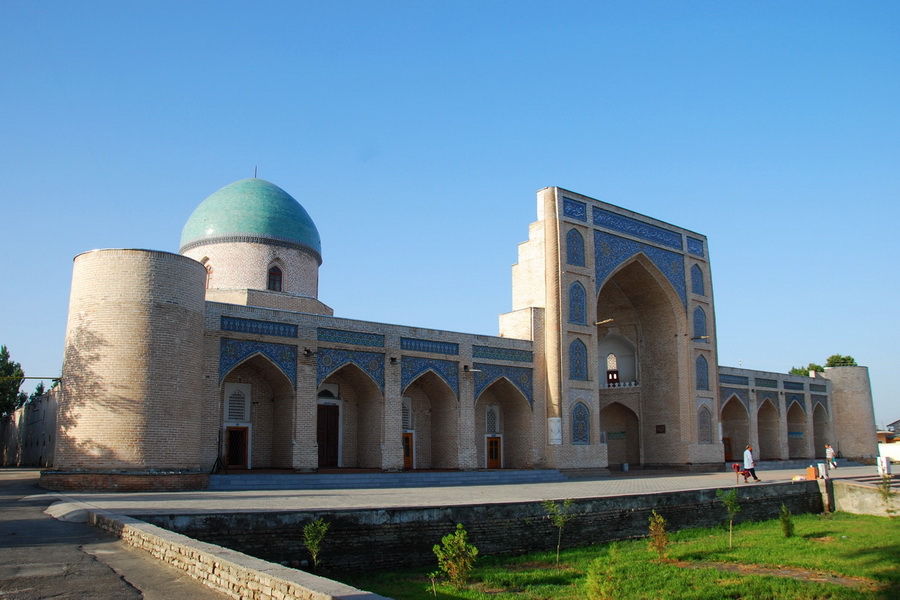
(416,135)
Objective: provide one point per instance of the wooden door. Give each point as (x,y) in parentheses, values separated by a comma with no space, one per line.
(236,446)
(729,454)
(493,452)
(408,446)
(328,434)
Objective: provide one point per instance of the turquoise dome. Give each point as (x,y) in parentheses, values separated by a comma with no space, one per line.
(251,210)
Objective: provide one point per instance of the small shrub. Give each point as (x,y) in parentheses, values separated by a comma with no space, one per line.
(787,521)
(659,538)
(887,493)
(601,577)
(730,500)
(313,536)
(559,516)
(456,556)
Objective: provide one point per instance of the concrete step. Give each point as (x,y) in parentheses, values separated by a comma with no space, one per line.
(799,464)
(324,481)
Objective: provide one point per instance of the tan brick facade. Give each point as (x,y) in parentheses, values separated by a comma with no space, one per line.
(608,357)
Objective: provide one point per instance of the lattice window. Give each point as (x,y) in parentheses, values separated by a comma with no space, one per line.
(236,409)
(581,424)
(578,361)
(574,248)
(577,304)
(406,415)
(492,420)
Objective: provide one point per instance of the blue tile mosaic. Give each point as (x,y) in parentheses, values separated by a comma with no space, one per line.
(258,327)
(329,360)
(772,395)
(817,387)
(234,352)
(793,385)
(702,373)
(577,304)
(574,209)
(633,227)
(699,324)
(798,398)
(574,248)
(431,346)
(581,424)
(521,377)
(357,338)
(697,286)
(610,251)
(695,246)
(509,354)
(578,363)
(725,393)
(767,383)
(412,367)
(735,379)
(817,399)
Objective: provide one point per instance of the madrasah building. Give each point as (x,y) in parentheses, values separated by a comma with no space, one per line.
(223,354)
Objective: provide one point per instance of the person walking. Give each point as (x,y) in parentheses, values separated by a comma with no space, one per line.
(829,456)
(749,464)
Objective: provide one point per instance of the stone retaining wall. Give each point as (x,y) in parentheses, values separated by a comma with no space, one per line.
(99,481)
(387,538)
(232,573)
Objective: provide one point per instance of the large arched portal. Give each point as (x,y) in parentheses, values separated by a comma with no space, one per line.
(735,428)
(769,430)
(257,416)
(797,434)
(358,422)
(638,308)
(623,437)
(430,424)
(503,427)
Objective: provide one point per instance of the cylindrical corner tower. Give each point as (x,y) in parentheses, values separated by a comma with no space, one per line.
(251,234)
(132,370)
(853,412)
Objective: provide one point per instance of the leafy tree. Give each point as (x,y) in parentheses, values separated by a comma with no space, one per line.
(836,360)
(11,378)
(456,556)
(39,391)
(806,370)
(659,538)
(313,536)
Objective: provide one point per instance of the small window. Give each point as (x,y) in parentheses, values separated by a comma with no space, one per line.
(274,279)
(574,248)
(704,426)
(697,286)
(702,368)
(578,357)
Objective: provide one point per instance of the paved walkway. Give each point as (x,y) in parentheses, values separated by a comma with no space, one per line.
(623,484)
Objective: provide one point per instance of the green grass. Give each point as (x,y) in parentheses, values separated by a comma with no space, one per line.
(839,556)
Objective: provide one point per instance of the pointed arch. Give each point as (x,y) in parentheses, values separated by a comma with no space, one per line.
(275,279)
(768,424)
(434,422)
(361,416)
(512,419)
(577,304)
(735,421)
(797,433)
(621,428)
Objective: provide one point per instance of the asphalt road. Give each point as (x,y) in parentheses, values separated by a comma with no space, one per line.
(42,557)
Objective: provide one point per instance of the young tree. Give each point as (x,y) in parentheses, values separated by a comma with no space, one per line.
(456,556)
(730,500)
(11,378)
(559,516)
(313,536)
